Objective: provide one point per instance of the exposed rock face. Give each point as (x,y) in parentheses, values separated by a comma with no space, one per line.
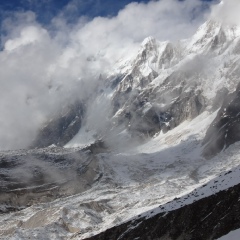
(208,218)
(62,128)
(150,110)
(225,129)
(168,83)
(146,108)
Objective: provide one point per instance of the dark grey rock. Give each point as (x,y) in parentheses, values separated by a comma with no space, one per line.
(225,129)
(62,127)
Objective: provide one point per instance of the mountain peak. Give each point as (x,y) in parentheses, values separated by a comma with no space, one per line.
(149,41)
(212,34)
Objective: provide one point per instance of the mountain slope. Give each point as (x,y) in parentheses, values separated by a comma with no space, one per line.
(167,83)
(198,215)
(145,124)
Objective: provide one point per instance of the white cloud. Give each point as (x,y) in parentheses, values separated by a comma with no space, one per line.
(227,12)
(27,36)
(43,67)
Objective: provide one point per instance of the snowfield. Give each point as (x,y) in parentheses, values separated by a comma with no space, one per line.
(131,184)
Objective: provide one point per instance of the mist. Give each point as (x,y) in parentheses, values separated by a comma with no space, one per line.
(44,67)
(227,12)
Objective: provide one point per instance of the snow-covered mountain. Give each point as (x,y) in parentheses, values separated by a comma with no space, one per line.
(165,84)
(158,138)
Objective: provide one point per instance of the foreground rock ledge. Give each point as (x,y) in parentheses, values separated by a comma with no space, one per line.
(208,218)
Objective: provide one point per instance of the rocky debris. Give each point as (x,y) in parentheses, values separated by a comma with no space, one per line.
(207,218)
(42,175)
(61,128)
(225,129)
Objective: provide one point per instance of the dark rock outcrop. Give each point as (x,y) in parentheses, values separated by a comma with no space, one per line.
(208,218)
(61,128)
(225,129)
